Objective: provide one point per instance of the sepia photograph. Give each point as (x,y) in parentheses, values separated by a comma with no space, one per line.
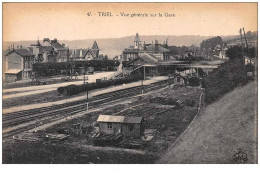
(129,83)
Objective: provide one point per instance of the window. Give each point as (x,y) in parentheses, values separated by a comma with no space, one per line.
(131,127)
(109,126)
(178,79)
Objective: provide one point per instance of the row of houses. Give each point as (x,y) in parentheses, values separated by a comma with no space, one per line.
(19,60)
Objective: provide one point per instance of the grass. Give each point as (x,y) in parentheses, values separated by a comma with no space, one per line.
(28,83)
(225,126)
(37,153)
(32,99)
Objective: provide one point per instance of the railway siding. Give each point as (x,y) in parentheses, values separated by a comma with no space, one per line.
(83,96)
(37,118)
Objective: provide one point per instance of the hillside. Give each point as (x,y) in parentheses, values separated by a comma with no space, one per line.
(115,46)
(220,131)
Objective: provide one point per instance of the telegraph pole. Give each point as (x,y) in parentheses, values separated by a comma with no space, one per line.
(245,38)
(67,62)
(143,82)
(84,76)
(240,31)
(243,60)
(87,99)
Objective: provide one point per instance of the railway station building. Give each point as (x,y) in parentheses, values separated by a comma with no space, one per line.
(138,49)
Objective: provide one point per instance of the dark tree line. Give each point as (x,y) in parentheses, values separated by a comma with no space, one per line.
(211,43)
(228,76)
(55,68)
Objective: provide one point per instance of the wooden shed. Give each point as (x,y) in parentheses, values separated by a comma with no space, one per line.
(180,80)
(13,75)
(128,126)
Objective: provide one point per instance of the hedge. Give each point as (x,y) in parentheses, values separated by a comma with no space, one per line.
(76,89)
(55,68)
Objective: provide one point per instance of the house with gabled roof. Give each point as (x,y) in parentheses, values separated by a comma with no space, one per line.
(18,64)
(87,54)
(49,51)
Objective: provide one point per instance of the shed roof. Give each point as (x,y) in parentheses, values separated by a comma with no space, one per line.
(119,119)
(13,71)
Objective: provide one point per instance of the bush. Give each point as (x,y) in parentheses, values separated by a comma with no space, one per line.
(189,102)
(194,81)
(61,90)
(224,79)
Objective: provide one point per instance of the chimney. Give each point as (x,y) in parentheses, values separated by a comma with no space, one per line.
(156,49)
(80,53)
(21,46)
(13,46)
(144,46)
(9,49)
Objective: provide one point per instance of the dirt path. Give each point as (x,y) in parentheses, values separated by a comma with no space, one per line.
(225,128)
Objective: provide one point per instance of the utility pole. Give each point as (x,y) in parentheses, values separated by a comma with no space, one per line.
(169,80)
(245,38)
(84,73)
(243,61)
(240,31)
(67,62)
(142,87)
(87,99)
(143,82)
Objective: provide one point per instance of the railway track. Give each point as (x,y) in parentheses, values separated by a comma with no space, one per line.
(55,112)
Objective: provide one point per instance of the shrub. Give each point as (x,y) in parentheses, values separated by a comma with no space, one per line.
(224,79)
(189,102)
(194,81)
(61,90)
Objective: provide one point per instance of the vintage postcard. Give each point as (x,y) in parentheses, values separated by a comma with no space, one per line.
(129,83)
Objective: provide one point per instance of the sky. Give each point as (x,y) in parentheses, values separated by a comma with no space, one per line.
(71,21)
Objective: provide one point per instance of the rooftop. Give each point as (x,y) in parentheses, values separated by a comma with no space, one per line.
(95,46)
(13,71)
(119,119)
(22,52)
(161,48)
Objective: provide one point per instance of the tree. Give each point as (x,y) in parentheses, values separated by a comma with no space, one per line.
(211,43)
